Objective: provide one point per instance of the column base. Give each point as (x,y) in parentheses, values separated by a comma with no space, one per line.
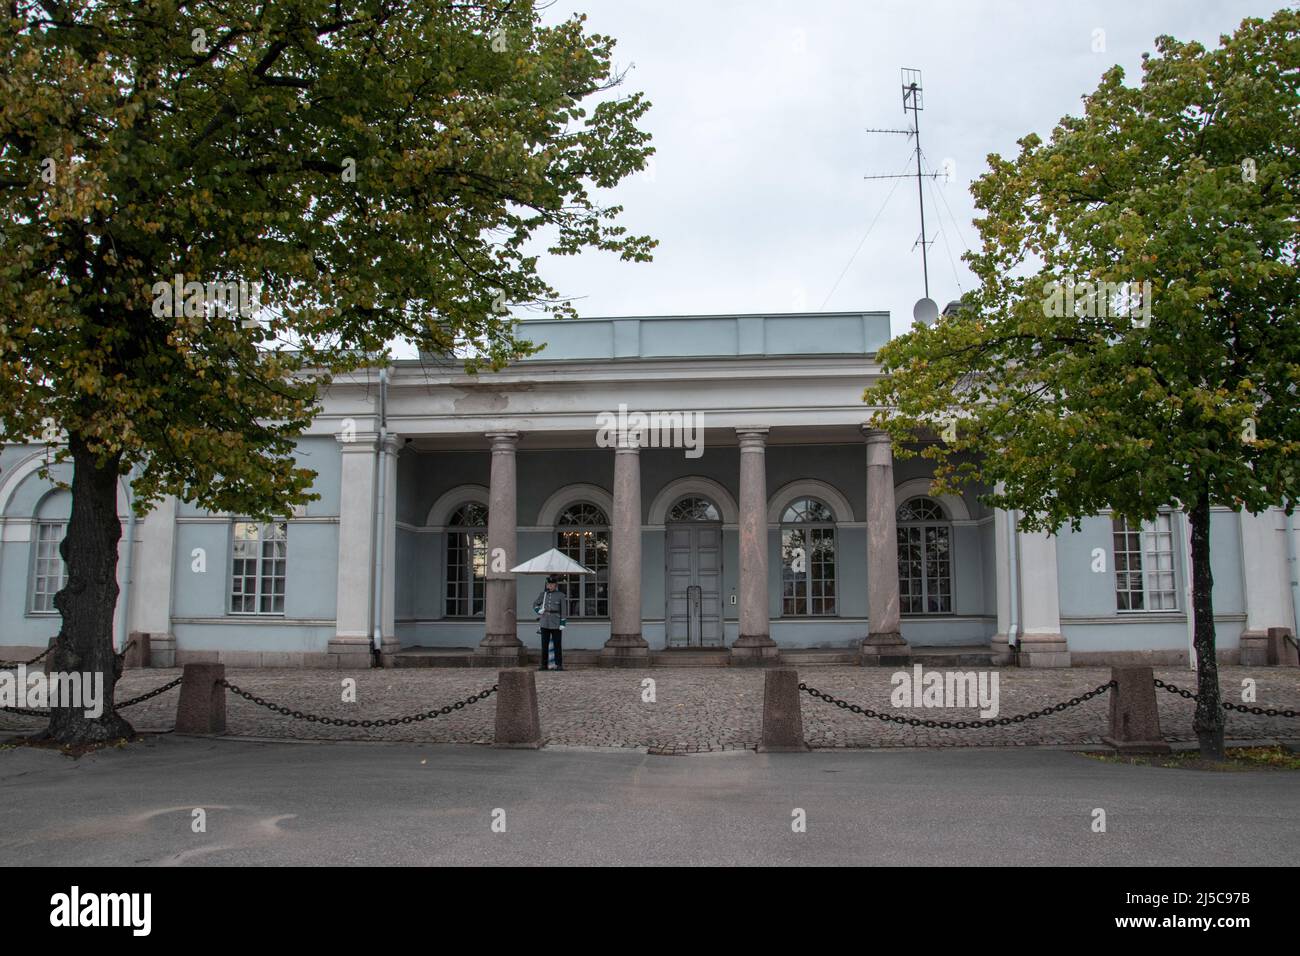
(501,650)
(388,651)
(755,650)
(1044,650)
(1000,651)
(162,650)
(625,650)
(1281,651)
(884,649)
(350,652)
(1253,649)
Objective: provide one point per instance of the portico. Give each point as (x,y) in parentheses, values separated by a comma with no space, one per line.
(772,526)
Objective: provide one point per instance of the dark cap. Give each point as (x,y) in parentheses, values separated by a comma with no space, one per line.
(552,579)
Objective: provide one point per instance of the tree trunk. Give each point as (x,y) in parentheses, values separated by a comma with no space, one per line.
(1208,722)
(89,600)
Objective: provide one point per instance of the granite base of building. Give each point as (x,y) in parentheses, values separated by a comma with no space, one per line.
(885,649)
(755,650)
(1044,650)
(625,650)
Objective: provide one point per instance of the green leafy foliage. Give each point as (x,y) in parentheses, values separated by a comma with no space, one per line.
(1188,183)
(378,167)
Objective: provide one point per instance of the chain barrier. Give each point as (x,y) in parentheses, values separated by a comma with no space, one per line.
(153,693)
(353,722)
(33,712)
(14,665)
(958,724)
(1228,705)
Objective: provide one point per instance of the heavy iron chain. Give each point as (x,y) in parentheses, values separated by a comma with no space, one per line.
(340,722)
(14,665)
(959,724)
(32,712)
(1228,705)
(153,693)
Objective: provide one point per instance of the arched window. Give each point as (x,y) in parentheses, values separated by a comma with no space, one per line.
(467,551)
(49,574)
(694,508)
(582,534)
(924,558)
(807,558)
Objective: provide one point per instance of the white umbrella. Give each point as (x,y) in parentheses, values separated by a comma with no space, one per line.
(552,562)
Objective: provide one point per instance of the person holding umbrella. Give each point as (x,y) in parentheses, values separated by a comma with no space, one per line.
(549,608)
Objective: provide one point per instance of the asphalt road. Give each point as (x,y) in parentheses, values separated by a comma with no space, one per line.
(395,804)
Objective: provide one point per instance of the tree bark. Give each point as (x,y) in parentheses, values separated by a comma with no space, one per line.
(89,599)
(1208,722)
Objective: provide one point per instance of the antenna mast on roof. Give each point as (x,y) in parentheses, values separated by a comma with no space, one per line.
(913,103)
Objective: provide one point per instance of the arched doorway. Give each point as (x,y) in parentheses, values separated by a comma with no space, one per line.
(693,578)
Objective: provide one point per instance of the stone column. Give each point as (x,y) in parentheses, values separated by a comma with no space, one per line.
(388,593)
(153,590)
(501,645)
(1003,542)
(884,644)
(356,560)
(1266,582)
(755,644)
(1041,641)
(626,647)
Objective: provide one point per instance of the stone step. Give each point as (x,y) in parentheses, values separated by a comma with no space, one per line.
(956,655)
(973,655)
(691,657)
(819,656)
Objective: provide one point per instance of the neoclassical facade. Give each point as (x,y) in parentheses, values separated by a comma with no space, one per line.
(717,476)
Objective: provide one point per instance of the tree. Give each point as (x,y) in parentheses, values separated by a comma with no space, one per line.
(1135,338)
(377,166)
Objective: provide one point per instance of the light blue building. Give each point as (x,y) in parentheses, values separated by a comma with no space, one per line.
(747,515)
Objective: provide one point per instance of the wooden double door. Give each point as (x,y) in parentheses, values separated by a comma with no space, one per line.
(694,583)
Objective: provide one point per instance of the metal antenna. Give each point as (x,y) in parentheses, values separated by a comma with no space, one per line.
(912,102)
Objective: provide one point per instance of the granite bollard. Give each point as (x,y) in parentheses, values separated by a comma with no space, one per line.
(517,723)
(1134,716)
(782,716)
(202,707)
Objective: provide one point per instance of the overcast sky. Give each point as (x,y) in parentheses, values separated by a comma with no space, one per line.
(756,193)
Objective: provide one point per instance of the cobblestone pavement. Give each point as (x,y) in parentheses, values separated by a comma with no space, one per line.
(695,709)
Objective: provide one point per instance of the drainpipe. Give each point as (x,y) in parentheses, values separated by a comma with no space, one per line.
(1013,585)
(377,578)
(1295,574)
(1185,524)
(124,610)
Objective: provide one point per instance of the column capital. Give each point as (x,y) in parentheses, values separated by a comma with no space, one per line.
(357,442)
(752,438)
(393,443)
(628,449)
(502,441)
(874,435)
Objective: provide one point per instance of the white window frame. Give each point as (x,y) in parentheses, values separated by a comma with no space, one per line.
(259,575)
(806,530)
(1167,597)
(41,570)
(475,550)
(582,589)
(941,526)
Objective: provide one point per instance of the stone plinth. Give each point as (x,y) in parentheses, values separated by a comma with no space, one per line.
(782,713)
(1134,716)
(517,723)
(202,705)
